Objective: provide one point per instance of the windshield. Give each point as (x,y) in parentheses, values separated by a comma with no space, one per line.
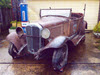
(59,12)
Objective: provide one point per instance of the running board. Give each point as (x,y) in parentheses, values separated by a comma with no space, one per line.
(76,40)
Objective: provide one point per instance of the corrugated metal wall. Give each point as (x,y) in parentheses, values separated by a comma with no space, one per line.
(77,6)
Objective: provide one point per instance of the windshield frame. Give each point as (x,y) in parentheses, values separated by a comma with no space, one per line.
(70,10)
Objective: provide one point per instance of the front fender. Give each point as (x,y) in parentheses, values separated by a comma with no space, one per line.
(55,43)
(13,37)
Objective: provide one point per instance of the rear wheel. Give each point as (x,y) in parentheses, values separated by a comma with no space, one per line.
(59,59)
(12,50)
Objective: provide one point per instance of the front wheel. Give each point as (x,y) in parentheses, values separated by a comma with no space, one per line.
(12,50)
(59,59)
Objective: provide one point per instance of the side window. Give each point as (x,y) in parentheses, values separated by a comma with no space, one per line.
(74,28)
(75,25)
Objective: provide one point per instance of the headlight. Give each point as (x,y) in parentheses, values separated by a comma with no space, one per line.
(45,33)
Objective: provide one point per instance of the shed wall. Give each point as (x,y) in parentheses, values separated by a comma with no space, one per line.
(92,8)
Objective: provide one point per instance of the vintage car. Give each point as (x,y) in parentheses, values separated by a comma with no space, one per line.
(52,35)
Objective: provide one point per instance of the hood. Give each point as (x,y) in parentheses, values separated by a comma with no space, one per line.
(49,21)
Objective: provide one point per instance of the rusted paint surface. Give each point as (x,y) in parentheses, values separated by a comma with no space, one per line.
(52,20)
(56,25)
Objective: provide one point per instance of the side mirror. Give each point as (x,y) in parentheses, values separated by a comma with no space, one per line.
(19,31)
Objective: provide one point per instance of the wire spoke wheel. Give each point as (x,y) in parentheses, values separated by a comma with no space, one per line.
(59,59)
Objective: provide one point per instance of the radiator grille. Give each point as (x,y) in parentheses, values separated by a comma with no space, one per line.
(33,38)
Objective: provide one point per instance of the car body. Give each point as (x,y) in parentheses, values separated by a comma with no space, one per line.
(56,30)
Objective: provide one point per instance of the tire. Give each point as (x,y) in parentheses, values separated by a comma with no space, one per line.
(59,59)
(12,50)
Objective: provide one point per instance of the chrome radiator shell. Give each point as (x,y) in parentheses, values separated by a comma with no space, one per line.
(33,33)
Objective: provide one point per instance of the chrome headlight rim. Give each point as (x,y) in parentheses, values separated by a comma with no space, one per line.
(45,33)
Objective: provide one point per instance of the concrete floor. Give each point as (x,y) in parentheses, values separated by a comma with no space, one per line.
(82,60)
